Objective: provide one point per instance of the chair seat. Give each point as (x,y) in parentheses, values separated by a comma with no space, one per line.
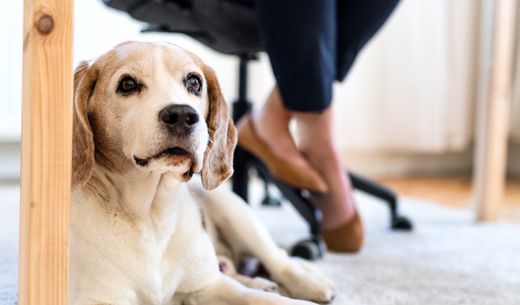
(227,26)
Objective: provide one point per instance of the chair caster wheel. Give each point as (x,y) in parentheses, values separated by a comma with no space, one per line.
(402,223)
(308,249)
(271,201)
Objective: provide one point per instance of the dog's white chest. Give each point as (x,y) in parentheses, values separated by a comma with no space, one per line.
(141,261)
(156,275)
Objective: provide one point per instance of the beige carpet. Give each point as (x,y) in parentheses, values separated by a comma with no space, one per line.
(446,260)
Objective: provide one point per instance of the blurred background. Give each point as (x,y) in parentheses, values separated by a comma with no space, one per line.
(404,116)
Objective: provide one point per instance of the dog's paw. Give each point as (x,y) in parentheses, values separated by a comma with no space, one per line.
(300,279)
(259,283)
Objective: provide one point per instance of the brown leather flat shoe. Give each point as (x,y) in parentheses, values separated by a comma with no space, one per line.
(282,168)
(347,238)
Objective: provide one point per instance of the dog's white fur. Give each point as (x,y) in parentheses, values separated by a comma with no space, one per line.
(141,234)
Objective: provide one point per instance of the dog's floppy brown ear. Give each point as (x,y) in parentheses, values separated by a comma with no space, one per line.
(218,158)
(82,137)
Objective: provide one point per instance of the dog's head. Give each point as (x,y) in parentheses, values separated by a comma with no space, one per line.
(151,107)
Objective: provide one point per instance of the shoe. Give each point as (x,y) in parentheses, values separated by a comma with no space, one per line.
(282,168)
(347,238)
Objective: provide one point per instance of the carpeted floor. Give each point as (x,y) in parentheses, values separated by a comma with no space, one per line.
(9,198)
(446,260)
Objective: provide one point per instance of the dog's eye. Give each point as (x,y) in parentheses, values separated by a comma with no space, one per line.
(128,85)
(194,84)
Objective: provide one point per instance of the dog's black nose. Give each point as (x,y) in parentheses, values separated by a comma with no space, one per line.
(183,117)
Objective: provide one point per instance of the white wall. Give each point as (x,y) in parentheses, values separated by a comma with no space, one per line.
(417,72)
(411,90)
(11,33)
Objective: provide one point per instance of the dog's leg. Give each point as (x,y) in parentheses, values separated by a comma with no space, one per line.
(227,291)
(247,235)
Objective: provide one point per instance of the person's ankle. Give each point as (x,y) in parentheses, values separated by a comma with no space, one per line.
(334,217)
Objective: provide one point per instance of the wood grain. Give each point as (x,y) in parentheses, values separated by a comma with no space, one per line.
(46,152)
(493,112)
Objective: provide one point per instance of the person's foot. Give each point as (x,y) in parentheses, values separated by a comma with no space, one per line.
(266,134)
(284,169)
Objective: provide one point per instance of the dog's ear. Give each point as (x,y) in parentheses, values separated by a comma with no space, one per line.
(218,158)
(82,137)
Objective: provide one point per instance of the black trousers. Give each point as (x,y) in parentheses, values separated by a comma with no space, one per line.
(312,43)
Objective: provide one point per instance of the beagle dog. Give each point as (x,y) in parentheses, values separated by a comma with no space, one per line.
(147,117)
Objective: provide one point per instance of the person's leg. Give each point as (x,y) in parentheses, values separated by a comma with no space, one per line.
(272,123)
(301,52)
(316,142)
(300,38)
(357,21)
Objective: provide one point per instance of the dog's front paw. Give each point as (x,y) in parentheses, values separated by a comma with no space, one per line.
(257,283)
(300,279)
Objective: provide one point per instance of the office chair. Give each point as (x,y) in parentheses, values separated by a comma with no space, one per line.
(229,27)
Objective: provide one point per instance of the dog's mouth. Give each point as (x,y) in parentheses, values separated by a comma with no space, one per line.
(173,156)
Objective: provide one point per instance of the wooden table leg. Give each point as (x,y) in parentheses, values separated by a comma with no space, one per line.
(46,152)
(493,107)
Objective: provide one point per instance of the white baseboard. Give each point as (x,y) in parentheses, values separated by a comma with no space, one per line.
(9,161)
(397,164)
(513,160)
(372,165)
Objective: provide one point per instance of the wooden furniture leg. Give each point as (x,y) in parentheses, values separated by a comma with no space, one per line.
(46,152)
(493,106)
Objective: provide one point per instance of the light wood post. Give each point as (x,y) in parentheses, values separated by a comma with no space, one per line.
(497,47)
(46,152)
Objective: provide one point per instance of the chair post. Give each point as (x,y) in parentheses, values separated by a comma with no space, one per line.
(243,79)
(240,107)
(46,152)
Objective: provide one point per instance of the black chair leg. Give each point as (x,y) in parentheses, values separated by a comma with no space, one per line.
(313,247)
(397,222)
(269,200)
(240,179)
(240,107)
